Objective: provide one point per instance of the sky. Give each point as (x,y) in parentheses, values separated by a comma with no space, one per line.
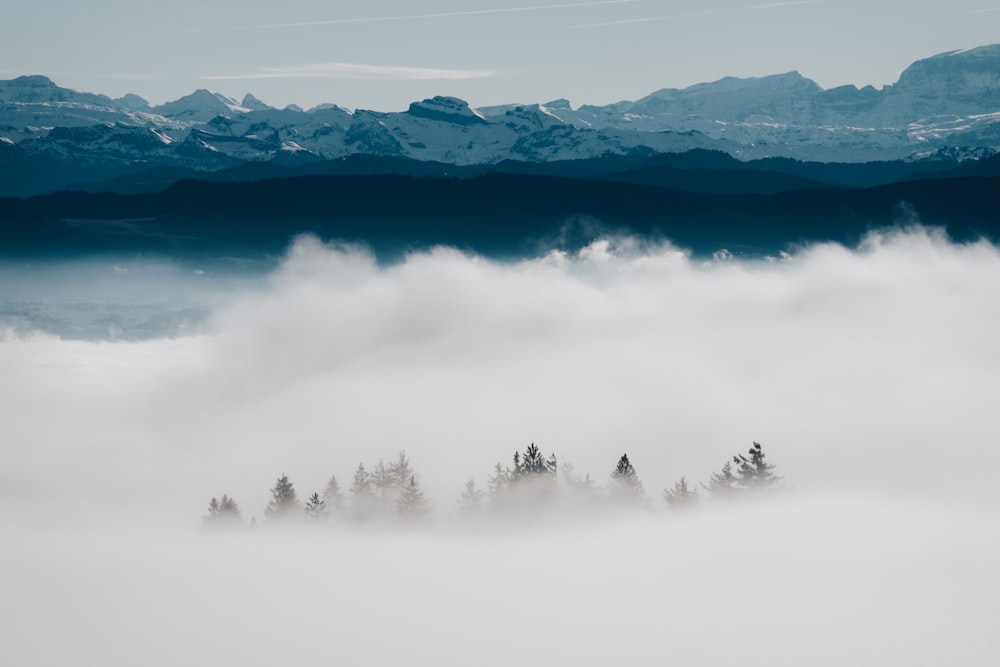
(868,374)
(384,54)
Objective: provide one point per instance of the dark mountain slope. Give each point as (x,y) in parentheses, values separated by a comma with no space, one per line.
(496,214)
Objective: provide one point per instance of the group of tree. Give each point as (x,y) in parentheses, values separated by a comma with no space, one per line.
(532,483)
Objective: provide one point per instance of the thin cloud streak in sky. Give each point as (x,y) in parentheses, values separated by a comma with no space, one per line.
(436,15)
(645,19)
(669,17)
(355,71)
(779,5)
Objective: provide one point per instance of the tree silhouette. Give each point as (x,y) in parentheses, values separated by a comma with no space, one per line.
(284,501)
(223,514)
(411,503)
(471,500)
(681,496)
(722,484)
(625,486)
(533,465)
(498,482)
(754,473)
(316,509)
(401,471)
(381,480)
(333,497)
(363,500)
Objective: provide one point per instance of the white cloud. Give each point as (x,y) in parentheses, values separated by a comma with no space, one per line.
(645,19)
(685,15)
(336,70)
(870,375)
(879,354)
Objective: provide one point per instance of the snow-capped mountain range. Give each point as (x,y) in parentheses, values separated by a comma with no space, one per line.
(51,137)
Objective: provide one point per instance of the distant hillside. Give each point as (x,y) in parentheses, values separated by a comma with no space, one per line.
(496,214)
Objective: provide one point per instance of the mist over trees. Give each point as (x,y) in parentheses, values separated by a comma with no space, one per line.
(532,485)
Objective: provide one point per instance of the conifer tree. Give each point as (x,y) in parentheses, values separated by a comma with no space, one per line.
(363,501)
(471,500)
(498,482)
(333,497)
(316,509)
(754,473)
(211,520)
(529,483)
(284,501)
(401,471)
(722,484)
(681,496)
(229,511)
(213,508)
(411,503)
(625,486)
(381,480)
(533,464)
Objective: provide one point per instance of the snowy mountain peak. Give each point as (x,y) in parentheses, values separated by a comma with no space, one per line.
(37,89)
(133,102)
(971,76)
(447,109)
(562,104)
(787,82)
(201,105)
(254,104)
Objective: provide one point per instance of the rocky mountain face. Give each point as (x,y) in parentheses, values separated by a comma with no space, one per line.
(52,137)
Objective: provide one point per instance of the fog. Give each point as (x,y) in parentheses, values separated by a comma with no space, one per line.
(869,374)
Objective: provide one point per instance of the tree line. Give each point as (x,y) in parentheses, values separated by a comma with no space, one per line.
(533,483)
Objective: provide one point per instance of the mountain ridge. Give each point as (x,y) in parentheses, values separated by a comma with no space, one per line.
(947,102)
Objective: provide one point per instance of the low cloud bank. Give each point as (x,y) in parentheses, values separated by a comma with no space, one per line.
(865,371)
(869,375)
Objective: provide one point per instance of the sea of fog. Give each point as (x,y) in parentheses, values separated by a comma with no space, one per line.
(133,390)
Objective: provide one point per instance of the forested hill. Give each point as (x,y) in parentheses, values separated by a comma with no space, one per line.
(495,214)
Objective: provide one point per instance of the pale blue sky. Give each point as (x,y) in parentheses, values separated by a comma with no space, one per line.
(383,54)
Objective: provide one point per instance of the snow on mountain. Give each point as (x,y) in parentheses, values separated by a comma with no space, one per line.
(41,90)
(199,106)
(253,104)
(948,102)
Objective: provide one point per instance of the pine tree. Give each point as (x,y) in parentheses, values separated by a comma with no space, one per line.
(498,482)
(754,473)
(230,511)
(721,484)
(333,497)
(316,509)
(381,480)
(411,503)
(401,471)
(471,500)
(529,485)
(284,501)
(625,486)
(212,518)
(363,501)
(681,496)
(533,464)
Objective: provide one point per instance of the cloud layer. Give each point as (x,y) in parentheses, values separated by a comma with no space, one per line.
(867,369)
(869,375)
